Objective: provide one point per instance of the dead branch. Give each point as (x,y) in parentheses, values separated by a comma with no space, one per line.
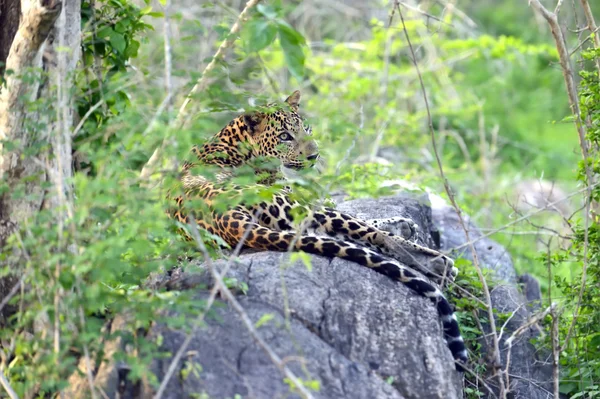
(567,70)
(495,343)
(550,205)
(591,26)
(6,385)
(533,320)
(555,354)
(571,87)
(200,85)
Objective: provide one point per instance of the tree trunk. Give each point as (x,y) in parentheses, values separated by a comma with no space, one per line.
(36,111)
(10,12)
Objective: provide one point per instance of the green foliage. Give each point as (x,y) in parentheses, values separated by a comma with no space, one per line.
(580,365)
(467,295)
(261,32)
(99,273)
(112,30)
(361,99)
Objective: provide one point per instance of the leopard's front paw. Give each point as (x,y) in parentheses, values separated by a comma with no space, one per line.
(442,270)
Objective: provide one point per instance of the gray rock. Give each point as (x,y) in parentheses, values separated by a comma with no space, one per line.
(532,291)
(530,371)
(351,329)
(356,332)
(529,367)
(415,207)
(491,255)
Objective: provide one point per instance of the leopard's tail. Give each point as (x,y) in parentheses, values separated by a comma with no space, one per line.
(393,269)
(266,239)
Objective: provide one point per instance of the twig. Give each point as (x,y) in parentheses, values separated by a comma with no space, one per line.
(220,285)
(86,351)
(509,318)
(419,11)
(582,42)
(6,385)
(508,354)
(13,291)
(200,84)
(165,102)
(213,294)
(497,363)
(571,87)
(555,355)
(524,217)
(533,320)
(591,26)
(186,342)
(168,57)
(95,107)
(482,381)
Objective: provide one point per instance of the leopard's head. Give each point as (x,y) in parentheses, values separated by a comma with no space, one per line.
(280,132)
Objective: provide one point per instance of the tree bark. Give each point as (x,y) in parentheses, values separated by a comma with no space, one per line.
(43,77)
(10,12)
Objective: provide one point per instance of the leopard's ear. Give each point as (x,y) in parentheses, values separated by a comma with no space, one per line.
(294,99)
(254,121)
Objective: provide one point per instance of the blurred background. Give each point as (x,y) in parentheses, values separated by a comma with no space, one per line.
(494,89)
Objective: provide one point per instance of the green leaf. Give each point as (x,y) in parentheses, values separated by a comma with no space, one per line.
(117,41)
(304,257)
(132,49)
(267,11)
(264,319)
(259,34)
(292,44)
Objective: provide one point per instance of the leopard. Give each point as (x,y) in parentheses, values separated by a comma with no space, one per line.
(277,132)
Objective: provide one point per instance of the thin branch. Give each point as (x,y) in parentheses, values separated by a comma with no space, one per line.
(13,291)
(582,42)
(6,385)
(188,339)
(571,87)
(200,85)
(550,205)
(497,362)
(419,11)
(95,107)
(86,351)
(533,320)
(555,355)
(217,288)
(591,26)
(220,285)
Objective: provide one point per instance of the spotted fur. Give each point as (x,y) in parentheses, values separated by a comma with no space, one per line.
(280,132)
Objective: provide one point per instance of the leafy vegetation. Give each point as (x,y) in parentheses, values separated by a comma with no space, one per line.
(499,115)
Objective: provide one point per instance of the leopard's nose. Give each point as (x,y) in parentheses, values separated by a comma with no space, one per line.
(312,157)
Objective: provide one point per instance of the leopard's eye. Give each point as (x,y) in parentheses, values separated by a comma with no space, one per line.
(285,136)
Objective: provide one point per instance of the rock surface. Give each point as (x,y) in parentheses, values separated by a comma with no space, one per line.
(530,369)
(349,328)
(356,332)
